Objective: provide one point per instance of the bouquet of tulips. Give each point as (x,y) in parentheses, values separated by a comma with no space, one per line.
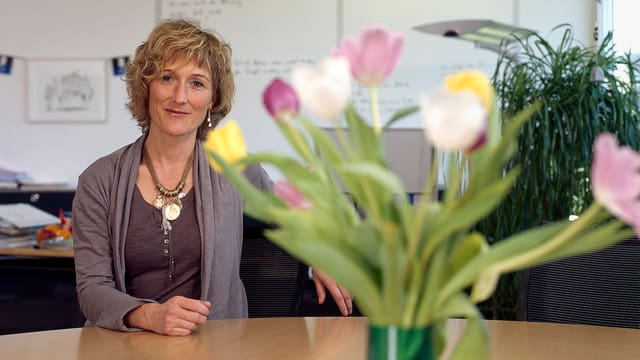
(411,265)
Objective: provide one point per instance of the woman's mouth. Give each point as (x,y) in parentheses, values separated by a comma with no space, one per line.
(176,112)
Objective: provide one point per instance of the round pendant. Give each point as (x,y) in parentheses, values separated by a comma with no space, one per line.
(171,211)
(158,203)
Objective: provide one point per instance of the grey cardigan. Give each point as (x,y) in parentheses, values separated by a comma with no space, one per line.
(101,208)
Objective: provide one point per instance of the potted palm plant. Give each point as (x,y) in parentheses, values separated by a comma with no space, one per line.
(555,146)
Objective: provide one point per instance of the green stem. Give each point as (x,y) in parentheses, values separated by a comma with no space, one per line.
(344,142)
(453,193)
(306,152)
(375,111)
(431,286)
(426,198)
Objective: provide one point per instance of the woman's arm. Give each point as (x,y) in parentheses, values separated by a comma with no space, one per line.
(178,316)
(256,174)
(100,301)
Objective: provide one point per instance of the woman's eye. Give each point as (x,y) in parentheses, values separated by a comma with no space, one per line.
(198,84)
(166,78)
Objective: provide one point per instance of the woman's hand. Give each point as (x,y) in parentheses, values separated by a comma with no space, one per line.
(178,316)
(340,295)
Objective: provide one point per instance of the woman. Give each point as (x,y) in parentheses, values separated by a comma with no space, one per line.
(158,233)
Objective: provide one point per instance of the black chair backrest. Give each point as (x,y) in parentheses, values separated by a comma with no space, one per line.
(272,278)
(599,288)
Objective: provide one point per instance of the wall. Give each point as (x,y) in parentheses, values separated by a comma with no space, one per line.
(103,29)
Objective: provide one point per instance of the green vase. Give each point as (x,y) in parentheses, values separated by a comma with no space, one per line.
(393,343)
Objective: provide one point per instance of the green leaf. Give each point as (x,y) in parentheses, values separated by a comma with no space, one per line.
(392,260)
(366,238)
(484,285)
(467,249)
(379,175)
(398,115)
(343,267)
(593,240)
(505,249)
(467,212)
(429,286)
(297,140)
(365,141)
(318,189)
(474,341)
(256,201)
(323,143)
(439,336)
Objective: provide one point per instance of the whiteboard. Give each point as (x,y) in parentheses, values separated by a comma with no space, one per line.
(268,36)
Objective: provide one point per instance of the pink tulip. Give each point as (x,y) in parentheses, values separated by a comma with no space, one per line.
(372,56)
(291,195)
(615,178)
(280,100)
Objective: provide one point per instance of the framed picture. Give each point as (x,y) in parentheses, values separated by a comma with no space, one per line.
(66,90)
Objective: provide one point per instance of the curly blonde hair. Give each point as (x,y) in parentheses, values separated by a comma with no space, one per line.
(185,40)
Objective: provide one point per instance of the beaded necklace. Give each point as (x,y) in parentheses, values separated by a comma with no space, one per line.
(168,200)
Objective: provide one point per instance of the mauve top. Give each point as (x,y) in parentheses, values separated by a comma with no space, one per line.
(149,253)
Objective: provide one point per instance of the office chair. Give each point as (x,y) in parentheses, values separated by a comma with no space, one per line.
(599,288)
(272,278)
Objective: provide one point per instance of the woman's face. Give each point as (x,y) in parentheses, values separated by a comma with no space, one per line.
(179,97)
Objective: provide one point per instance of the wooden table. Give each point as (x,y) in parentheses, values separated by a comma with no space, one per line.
(311,338)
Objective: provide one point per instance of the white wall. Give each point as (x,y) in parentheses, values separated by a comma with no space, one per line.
(66,29)
(103,29)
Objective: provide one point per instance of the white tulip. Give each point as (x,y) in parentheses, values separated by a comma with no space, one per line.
(453,121)
(324,90)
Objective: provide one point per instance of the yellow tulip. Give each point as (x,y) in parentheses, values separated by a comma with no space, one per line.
(228,142)
(474,81)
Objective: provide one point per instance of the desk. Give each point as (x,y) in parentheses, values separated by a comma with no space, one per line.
(32,252)
(311,338)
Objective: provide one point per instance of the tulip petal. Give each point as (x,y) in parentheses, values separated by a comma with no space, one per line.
(324,90)
(374,55)
(291,195)
(615,178)
(226,141)
(280,100)
(474,81)
(453,121)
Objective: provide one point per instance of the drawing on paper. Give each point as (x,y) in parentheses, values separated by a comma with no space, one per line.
(69,92)
(66,90)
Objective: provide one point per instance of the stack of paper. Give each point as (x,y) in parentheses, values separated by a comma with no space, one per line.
(21,217)
(20,241)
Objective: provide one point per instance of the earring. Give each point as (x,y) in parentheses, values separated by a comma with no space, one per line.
(209,119)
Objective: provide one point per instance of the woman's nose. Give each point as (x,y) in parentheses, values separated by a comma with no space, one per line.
(180,93)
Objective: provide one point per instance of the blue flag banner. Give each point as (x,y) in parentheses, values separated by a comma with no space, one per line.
(5,64)
(119,64)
